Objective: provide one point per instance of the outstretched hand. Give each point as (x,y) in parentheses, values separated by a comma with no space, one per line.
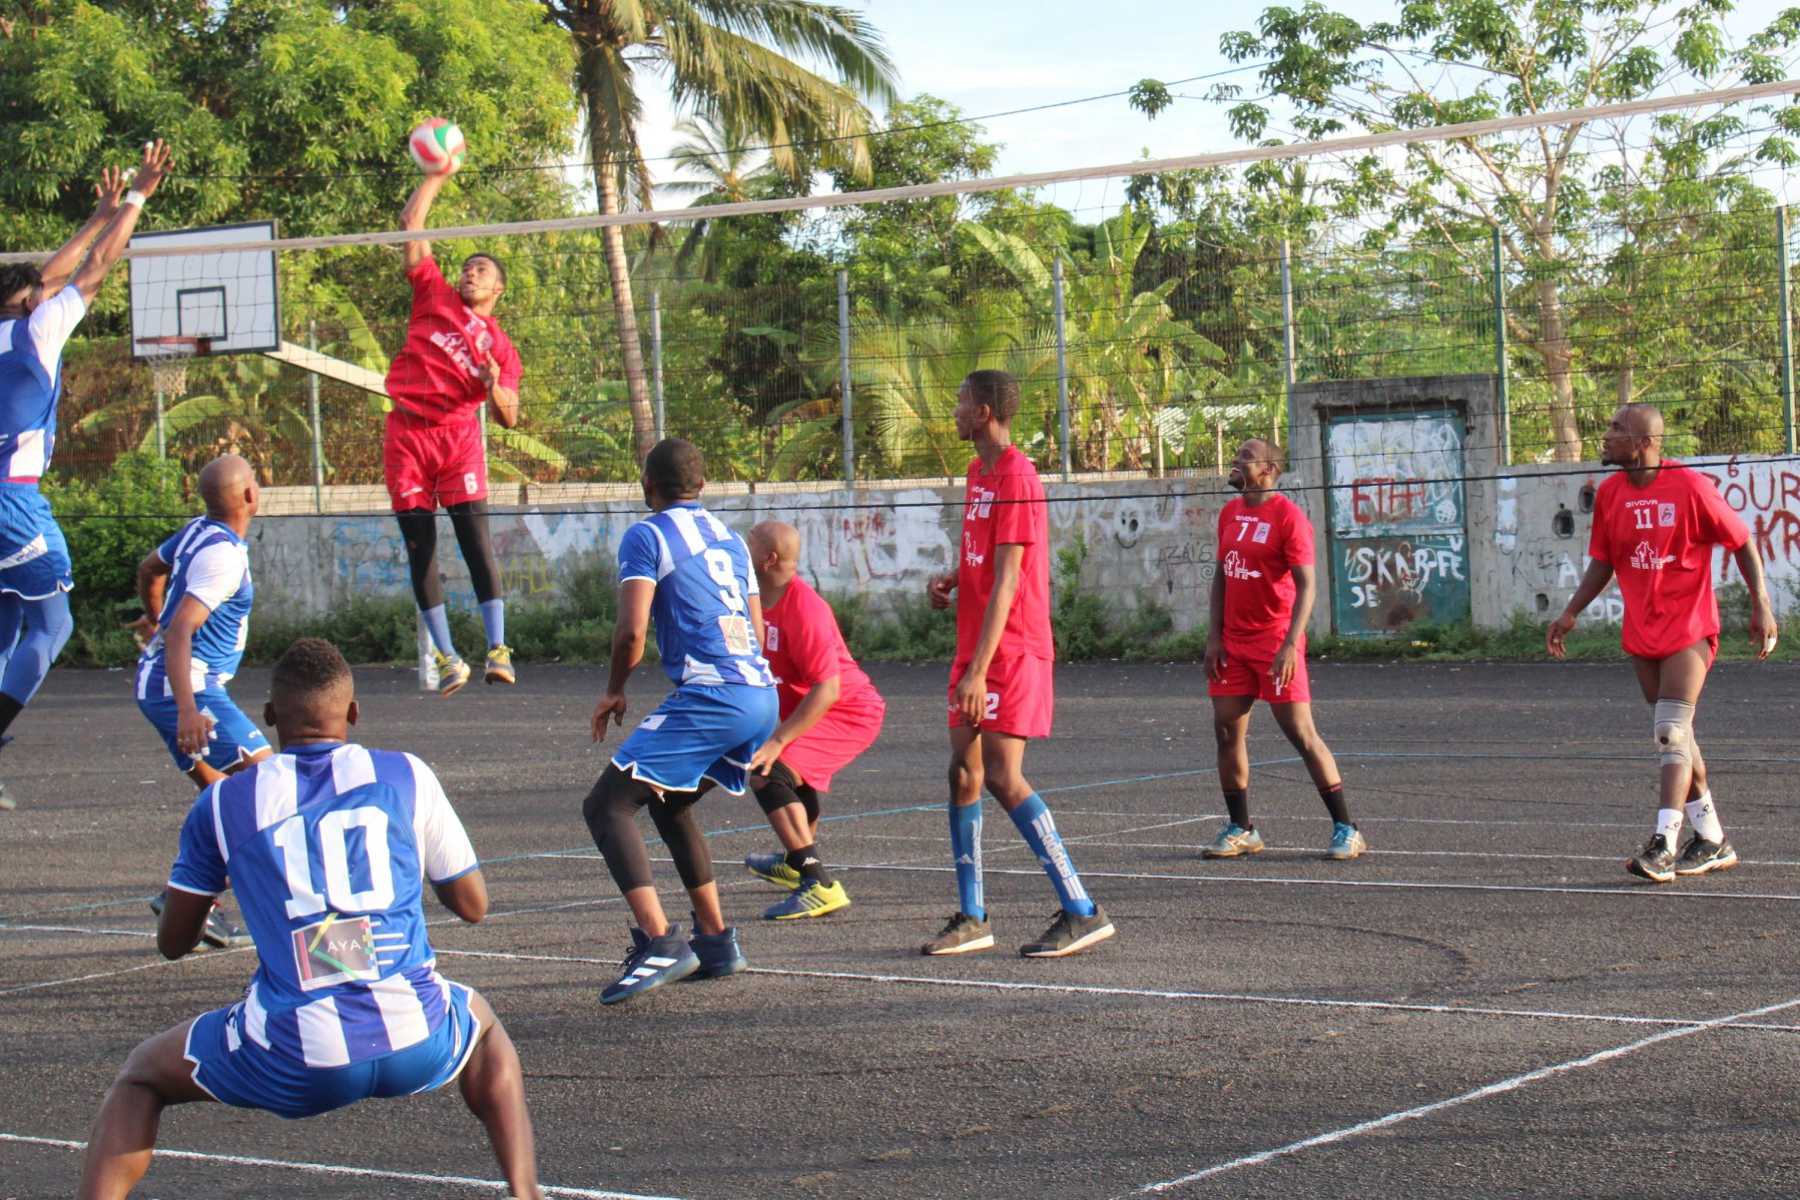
(109,191)
(153,169)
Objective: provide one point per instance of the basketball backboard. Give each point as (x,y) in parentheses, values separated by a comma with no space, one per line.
(229,300)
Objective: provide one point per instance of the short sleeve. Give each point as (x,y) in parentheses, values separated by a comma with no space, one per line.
(1718,522)
(166,551)
(216,573)
(1599,544)
(428,283)
(445,852)
(200,862)
(1299,547)
(1017,511)
(51,323)
(641,554)
(811,641)
(511,369)
(751,587)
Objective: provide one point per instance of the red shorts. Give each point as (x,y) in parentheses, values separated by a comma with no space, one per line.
(1021,698)
(427,464)
(829,746)
(1250,677)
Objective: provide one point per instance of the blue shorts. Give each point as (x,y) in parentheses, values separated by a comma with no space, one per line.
(34,557)
(700,733)
(235,737)
(234,1070)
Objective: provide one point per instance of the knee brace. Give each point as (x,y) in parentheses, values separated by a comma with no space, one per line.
(775,790)
(1675,731)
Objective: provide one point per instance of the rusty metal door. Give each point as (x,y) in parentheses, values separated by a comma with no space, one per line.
(1399,534)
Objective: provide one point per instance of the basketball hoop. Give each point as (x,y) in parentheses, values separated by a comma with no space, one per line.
(168,358)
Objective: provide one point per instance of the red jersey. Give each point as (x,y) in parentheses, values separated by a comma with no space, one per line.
(1004,506)
(437,374)
(1259,547)
(804,648)
(1658,541)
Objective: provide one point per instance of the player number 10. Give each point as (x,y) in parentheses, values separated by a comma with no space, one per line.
(334,855)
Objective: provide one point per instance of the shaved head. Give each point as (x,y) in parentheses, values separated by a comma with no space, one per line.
(777,537)
(227,486)
(1642,420)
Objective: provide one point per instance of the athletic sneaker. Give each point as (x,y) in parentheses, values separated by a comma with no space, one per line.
(813,899)
(718,953)
(1701,856)
(1347,842)
(1069,934)
(651,963)
(217,931)
(1234,840)
(499,665)
(1655,862)
(774,869)
(961,935)
(453,672)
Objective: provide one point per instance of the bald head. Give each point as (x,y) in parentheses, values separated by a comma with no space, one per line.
(777,538)
(1642,420)
(1633,438)
(228,487)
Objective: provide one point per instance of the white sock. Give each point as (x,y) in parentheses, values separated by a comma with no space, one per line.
(1705,818)
(1668,824)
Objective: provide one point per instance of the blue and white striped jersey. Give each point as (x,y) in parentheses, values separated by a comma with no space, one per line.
(212,564)
(703,580)
(31,383)
(325,845)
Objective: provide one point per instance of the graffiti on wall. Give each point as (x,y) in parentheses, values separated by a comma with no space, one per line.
(1767,496)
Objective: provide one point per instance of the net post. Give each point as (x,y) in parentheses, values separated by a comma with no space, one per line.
(656,362)
(1288,372)
(843,297)
(312,417)
(1502,398)
(1787,331)
(1062,366)
(428,672)
(162,428)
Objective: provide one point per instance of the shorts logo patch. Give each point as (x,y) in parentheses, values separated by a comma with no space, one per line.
(469,482)
(653,721)
(993,706)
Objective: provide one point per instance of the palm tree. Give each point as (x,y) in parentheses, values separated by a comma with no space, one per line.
(728,172)
(727,61)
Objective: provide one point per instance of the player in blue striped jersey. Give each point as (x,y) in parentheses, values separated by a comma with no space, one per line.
(326,845)
(39,308)
(685,568)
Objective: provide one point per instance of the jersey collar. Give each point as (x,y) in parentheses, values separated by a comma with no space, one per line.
(309,748)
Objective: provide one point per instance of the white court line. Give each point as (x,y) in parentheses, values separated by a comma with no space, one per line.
(1384,852)
(1077,989)
(1407,885)
(161,962)
(1469,1097)
(136,933)
(240,1160)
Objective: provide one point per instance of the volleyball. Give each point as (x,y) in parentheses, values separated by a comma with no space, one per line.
(436,145)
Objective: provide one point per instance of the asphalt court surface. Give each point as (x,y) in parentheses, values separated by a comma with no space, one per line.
(1485,1005)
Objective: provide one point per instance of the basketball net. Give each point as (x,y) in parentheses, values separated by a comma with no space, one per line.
(169,374)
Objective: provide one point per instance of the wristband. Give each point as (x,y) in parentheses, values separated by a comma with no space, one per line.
(134,197)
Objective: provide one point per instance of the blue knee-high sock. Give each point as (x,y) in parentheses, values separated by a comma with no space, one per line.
(493,619)
(45,630)
(437,623)
(1039,829)
(965,847)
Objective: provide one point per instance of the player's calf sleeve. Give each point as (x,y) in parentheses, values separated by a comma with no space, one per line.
(674,817)
(470,521)
(965,850)
(610,811)
(418,529)
(1038,828)
(44,631)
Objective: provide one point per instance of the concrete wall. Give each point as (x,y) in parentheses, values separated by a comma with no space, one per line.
(1146,539)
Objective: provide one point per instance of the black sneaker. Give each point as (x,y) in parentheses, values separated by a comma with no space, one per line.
(217,932)
(1069,934)
(1701,856)
(1655,862)
(962,934)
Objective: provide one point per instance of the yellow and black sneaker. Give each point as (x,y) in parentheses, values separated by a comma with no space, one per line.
(773,868)
(812,899)
(452,671)
(499,665)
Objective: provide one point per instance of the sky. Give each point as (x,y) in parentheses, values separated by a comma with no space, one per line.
(988,56)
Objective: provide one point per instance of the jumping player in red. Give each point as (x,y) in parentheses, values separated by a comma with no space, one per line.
(1001,691)
(830,714)
(1262,598)
(455,360)
(1655,525)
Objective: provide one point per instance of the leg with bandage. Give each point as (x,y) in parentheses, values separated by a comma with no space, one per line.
(1684,778)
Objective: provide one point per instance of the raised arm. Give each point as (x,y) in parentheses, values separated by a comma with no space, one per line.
(109,192)
(116,234)
(418,207)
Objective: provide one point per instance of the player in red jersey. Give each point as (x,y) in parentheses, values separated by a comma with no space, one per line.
(1655,525)
(830,714)
(1000,685)
(1262,598)
(456,359)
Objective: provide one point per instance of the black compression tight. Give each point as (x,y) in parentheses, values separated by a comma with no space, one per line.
(610,811)
(470,522)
